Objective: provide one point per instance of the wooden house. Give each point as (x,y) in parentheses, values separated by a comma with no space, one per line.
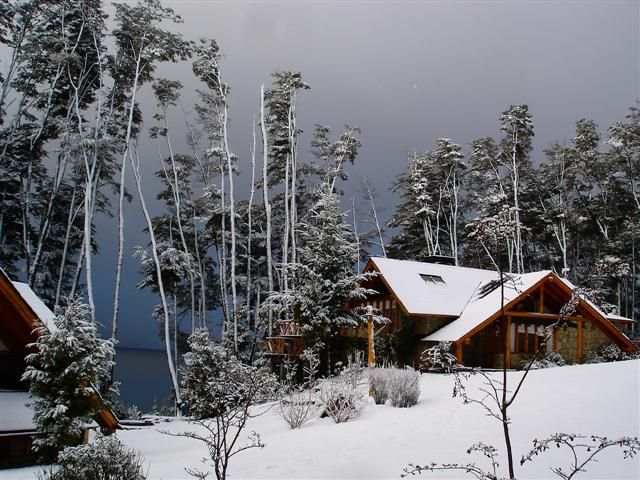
(20,309)
(433,302)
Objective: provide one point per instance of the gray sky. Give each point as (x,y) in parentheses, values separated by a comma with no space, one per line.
(406,73)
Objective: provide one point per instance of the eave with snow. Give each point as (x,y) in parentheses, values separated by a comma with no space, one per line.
(437,302)
(20,311)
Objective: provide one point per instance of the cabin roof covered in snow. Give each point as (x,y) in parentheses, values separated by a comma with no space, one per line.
(418,287)
(44,314)
(480,306)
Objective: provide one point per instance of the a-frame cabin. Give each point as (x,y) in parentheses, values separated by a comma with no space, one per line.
(461,305)
(20,310)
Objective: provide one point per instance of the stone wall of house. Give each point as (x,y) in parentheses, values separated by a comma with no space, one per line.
(567,343)
(593,338)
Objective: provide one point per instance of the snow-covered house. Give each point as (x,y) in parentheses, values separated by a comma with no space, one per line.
(20,308)
(429,303)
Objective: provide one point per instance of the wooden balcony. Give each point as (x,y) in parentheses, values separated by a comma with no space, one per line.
(286,341)
(283,346)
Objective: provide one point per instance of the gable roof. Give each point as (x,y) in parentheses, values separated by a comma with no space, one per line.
(479,308)
(420,297)
(23,309)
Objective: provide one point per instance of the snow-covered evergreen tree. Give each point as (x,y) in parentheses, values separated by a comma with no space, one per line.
(69,365)
(221,391)
(202,364)
(325,280)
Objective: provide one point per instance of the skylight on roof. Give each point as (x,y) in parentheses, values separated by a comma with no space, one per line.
(432,279)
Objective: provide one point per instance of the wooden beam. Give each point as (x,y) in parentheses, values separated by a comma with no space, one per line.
(579,349)
(543,316)
(541,306)
(459,352)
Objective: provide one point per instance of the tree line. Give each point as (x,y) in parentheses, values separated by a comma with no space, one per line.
(71,128)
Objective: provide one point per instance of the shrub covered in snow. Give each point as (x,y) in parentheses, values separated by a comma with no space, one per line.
(438,358)
(342,400)
(103,459)
(297,408)
(548,360)
(62,371)
(607,353)
(342,396)
(300,403)
(404,387)
(127,412)
(379,384)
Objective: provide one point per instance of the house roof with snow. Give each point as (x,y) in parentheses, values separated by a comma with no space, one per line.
(470,297)
(20,311)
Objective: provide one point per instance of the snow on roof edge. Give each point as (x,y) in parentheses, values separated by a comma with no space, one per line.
(42,312)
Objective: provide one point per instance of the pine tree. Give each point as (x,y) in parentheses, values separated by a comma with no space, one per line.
(68,364)
(325,280)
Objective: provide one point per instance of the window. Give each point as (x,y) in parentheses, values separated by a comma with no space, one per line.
(527,338)
(432,279)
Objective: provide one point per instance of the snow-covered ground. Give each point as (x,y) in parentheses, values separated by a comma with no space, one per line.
(601,399)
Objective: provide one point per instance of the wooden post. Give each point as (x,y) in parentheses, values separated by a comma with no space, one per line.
(372,352)
(579,349)
(541,306)
(508,343)
(459,351)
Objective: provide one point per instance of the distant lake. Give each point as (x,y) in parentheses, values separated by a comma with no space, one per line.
(143,376)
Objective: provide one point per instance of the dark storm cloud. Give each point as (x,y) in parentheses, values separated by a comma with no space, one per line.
(406,73)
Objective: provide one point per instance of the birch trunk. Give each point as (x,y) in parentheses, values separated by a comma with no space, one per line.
(135,166)
(249,219)
(123,166)
(267,206)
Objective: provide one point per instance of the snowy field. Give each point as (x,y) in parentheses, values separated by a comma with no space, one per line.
(601,399)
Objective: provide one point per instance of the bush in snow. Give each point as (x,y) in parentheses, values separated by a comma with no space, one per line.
(300,404)
(127,412)
(297,408)
(438,358)
(548,360)
(607,353)
(342,396)
(379,384)
(103,459)
(62,371)
(404,387)
(342,400)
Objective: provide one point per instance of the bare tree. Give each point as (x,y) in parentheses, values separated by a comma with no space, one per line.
(135,165)
(267,205)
